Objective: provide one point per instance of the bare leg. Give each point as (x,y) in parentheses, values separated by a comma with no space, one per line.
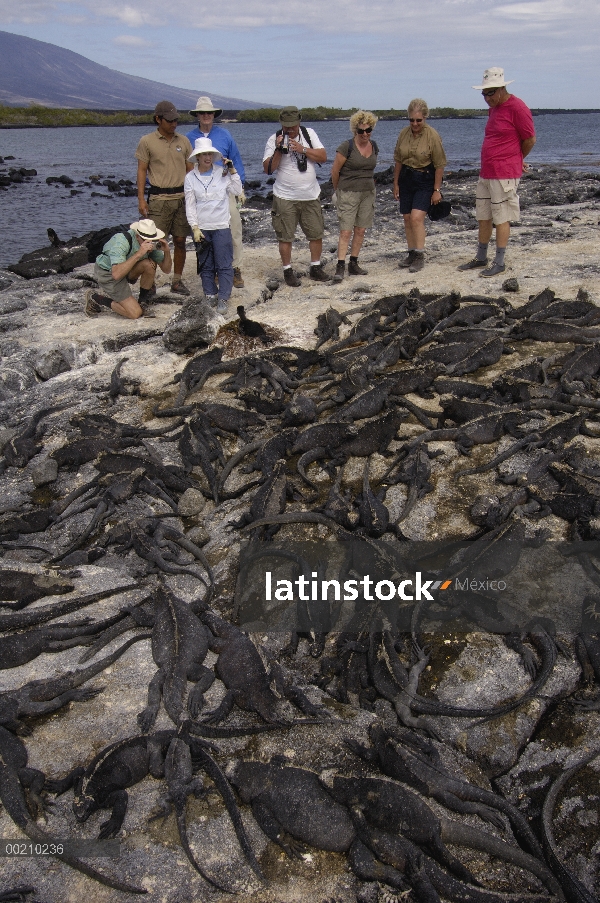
(343,242)
(179,256)
(485,231)
(316,247)
(417,228)
(357,240)
(502,235)
(285,252)
(128,308)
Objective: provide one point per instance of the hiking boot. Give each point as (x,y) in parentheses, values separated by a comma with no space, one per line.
(406,261)
(211,300)
(318,273)
(238,282)
(221,306)
(92,308)
(151,291)
(290,278)
(473,265)
(339,271)
(494,270)
(355,270)
(418,262)
(179,288)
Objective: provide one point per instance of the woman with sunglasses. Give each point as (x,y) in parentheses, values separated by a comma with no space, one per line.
(353,182)
(418,172)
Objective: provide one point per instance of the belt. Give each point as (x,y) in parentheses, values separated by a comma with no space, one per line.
(154,189)
(412,169)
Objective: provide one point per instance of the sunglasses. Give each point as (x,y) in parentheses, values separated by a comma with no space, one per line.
(364,131)
(415,120)
(490,92)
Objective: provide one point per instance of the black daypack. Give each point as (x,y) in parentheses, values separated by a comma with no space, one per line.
(96,243)
(305,135)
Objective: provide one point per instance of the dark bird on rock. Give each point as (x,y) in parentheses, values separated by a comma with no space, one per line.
(251,328)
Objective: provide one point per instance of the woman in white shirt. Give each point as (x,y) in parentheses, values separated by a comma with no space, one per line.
(207,188)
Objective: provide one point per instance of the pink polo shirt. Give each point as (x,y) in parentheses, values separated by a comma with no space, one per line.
(507,126)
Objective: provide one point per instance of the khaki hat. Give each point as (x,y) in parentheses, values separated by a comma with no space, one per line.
(146,229)
(290,116)
(493,78)
(166,110)
(205,105)
(204,146)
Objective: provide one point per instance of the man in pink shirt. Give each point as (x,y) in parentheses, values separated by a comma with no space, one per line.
(509,137)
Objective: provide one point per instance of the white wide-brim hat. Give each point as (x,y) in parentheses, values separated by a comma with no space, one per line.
(146,229)
(493,78)
(204,146)
(205,105)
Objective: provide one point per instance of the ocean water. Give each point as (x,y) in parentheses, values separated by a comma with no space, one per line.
(28,209)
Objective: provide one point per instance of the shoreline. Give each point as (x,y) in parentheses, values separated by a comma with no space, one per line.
(145,117)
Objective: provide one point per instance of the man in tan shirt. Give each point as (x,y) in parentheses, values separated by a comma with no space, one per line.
(163,157)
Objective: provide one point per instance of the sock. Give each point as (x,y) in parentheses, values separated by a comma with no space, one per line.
(316,263)
(287,266)
(341,262)
(499,259)
(103,300)
(481,251)
(353,259)
(176,278)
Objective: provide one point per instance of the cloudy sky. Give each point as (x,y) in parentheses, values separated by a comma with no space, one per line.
(366,53)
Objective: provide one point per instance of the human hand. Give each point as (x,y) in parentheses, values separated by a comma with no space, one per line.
(143,209)
(396,192)
(198,234)
(241,198)
(147,247)
(334,198)
(526,167)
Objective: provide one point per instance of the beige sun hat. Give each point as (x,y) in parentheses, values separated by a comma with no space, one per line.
(204,146)
(493,78)
(146,229)
(205,105)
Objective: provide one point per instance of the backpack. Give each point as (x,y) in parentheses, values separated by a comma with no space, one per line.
(96,243)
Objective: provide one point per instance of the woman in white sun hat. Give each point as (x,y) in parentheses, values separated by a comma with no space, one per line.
(207,188)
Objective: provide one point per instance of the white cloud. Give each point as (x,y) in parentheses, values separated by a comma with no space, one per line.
(131,40)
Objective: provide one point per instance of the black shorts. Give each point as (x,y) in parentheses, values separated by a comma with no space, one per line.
(416,188)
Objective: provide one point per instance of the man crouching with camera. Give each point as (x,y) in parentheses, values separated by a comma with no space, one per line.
(127,256)
(292,154)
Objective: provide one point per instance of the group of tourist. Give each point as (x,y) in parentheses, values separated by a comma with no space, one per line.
(198,187)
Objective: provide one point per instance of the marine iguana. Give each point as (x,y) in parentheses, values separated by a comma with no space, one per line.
(179,647)
(405,756)
(183,757)
(47,695)
(15,778)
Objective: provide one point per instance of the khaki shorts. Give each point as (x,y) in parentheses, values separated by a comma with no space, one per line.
(286,216)
(169,216)
(355,208)
(118,291)
(497,199)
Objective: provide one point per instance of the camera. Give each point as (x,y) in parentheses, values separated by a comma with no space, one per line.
(302,162)
(156,245)
(283,147)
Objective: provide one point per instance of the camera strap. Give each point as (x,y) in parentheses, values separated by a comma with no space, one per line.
(305,135)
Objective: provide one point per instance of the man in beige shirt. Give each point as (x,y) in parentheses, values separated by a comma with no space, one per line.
(163,157)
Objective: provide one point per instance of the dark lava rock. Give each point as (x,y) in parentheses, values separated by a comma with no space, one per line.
(11,305)
(386,177)
(510,285)
(45,472)
(253,184)
(49,261)
(196,324)
(50,362)
(63,180)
